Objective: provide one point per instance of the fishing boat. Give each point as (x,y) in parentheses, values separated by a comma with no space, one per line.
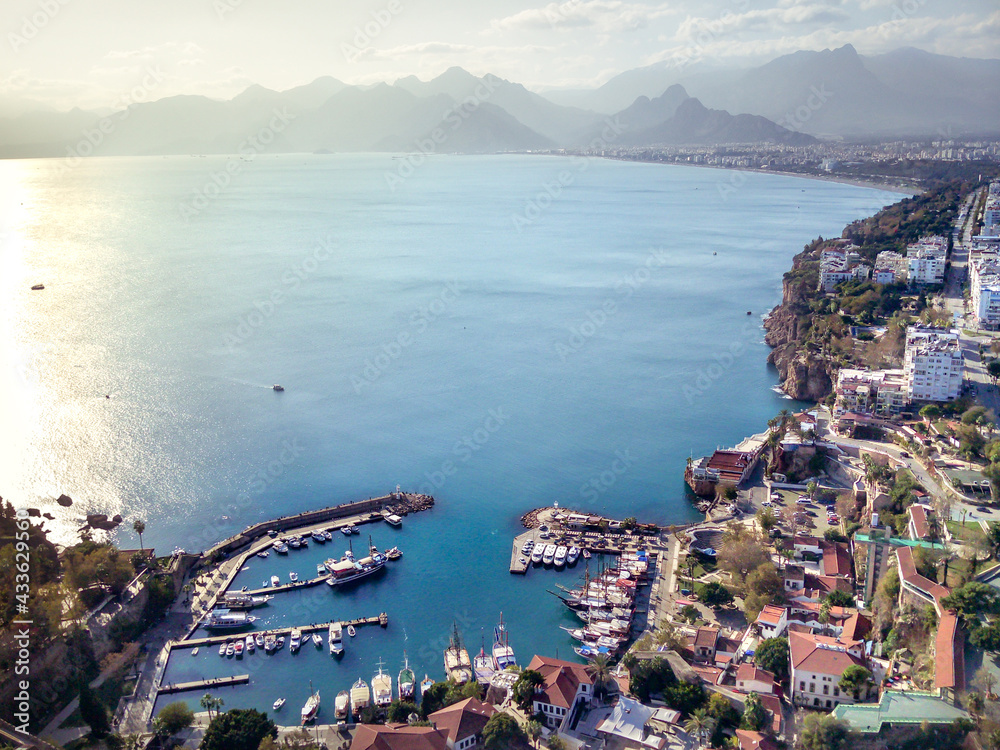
(295,543)
(351,631)
(347,530)
(406,680)
(327,536)
(394,553)
(342,705)
(317,640)
(392,519)
(296,640)
(276,706)
(503,654)
(382,687)
(457,664)
(281,548)
(270,644)
(360,696)
(425,684)
(263,554)
(293,577)
(275,581)
(573,555)
(251,644)
(336,638)
(240,600)
(318,537)
(311,708)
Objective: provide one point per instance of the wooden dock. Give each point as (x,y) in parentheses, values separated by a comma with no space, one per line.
(516,566)
(286,586)
(215,682)
(214,640)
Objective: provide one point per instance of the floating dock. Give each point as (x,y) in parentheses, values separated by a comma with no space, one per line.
(381,619)
(215,682)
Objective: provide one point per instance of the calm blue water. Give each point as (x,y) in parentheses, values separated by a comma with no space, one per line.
(424,339)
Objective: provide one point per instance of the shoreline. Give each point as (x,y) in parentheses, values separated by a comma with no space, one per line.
(855,181)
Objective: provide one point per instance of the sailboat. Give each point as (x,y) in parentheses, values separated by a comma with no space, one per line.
(503,654)
(457,664)
(406,680)
(482,665)
(311,708)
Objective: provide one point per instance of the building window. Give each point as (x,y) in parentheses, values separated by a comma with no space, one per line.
(812,687)
(836,691)
(802,686)
(826,690)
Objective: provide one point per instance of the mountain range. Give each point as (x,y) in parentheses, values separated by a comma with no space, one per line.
(790,100)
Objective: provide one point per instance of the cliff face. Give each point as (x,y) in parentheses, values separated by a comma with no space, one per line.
(805,376)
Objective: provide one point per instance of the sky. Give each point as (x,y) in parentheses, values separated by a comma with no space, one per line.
(105,53)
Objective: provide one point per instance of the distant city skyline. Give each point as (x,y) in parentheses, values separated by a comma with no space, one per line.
(62,53)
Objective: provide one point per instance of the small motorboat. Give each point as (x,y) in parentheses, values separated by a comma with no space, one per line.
(230,649)
(238,649)
(320,569)
(263,554)
(317,640)
(280,643)
(276,706)
(195,652)
(259,638)
(281,548)
(585,554)
(295,543)
(251,644)
(425,684)
(394,553)
(318,537)
(277,387)
(327,535)
(270,644)
(222,649)
(351,631)
(275,581)
(293,577)
(347,530)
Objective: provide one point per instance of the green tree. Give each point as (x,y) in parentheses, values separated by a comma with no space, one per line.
(684,696)
(714,594)
(534,730)
(838,598)
(972,598)
(930,412)
(824,732)
(993,369)
(433,699)
(93,712)
(854,680)
(763,586)
(399,711)
(523,691)
(599,670)
(555,742)
(211,703)
(689,613)
(700,725)
(772,655)
(502,732)
(722,710)
(139,526)
(238,729)
(766,519)
(754,715)
(175,717)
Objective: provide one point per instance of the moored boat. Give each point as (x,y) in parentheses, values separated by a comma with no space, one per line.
(293,577)
(317,640)
(238,649)
(559,559)
(222,649)
(503,654)
(457,664)
(296,640)
(342,705)
(225,619)
(318,537)
(425,684)
(360,696)
(549,554)
(573,555)
(335,635)
(482,667)
(406,680)
(394,553)
(251,644)
(230,648)
(275,581)
(537,554)
(351,631)
(281,548)
(276,706)
(264,555)
(392,519)
(311,708)
(382,687)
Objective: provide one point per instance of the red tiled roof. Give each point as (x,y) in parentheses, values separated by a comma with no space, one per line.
(836,560)
(826,584)
(908,573)
(821,654)
(771,614)
(754,740)
(730,464)
(919,517)
(748,672)
(795,572)
(463,719)
(772,705)
(949,657)
(706,637)
(857,627)
(561,680)
(804,540)
(398,737)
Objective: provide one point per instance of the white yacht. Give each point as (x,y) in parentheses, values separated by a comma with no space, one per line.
(549,554)
(336,638)
(573,555)
(560,556)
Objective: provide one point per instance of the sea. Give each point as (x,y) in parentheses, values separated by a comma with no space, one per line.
(502,332)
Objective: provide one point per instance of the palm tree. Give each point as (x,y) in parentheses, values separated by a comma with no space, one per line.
(140,526)
(699,724)
(600,672)
(210,702)
(534,730)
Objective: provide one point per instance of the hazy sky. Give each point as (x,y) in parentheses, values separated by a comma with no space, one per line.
(94,53)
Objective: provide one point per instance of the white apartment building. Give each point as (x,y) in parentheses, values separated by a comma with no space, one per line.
(926,260)
(882,392)
(984,278)
(890,268)
(932,364)
(837,265)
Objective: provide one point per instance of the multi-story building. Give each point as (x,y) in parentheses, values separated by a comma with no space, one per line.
(926,260)
(984,282)
(817,664)
(932,364)
(881,392)
(565,685)
(890,268)
(837,265)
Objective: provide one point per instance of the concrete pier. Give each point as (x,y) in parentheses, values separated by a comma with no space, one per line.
(214,640)
(215,682)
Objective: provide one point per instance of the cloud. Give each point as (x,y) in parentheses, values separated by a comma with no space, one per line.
(603,15)
(157,52)
(448,48)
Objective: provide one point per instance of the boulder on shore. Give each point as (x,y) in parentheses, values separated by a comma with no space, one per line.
(64,500)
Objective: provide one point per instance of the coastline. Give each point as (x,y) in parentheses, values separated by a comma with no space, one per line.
(855,181)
